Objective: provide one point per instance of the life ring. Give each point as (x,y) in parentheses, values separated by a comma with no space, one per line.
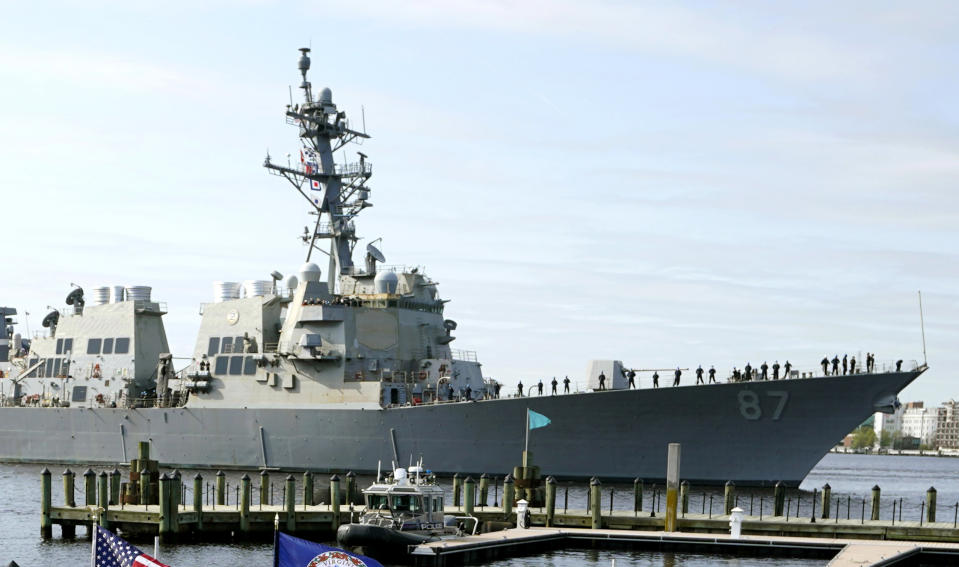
(421,375)
(99,398)
(96,370)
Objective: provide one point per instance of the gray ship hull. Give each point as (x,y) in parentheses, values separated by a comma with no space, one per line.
(751,433)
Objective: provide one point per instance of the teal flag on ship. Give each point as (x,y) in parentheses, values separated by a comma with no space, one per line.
(537,419)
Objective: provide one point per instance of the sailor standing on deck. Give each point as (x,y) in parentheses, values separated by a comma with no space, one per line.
(835,365)
(602,380)
(554,383)
(539,388)
(566,385)
(748,372)
(699,374)
(632,378)
(786,370)
(520,388)
(825,365)
(776,370)
(655,379)
(765,369)
(678,374)
(852,364)
(899,365)
(845,364)
(712,374)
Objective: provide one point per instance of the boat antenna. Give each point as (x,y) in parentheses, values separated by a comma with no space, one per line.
(379,466)
(396,454)
(922,326)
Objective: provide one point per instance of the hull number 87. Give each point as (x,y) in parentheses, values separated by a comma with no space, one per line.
(751,404)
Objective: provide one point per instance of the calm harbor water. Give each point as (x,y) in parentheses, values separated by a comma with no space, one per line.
(851,477)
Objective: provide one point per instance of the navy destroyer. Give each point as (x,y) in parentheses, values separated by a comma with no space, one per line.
(331,374)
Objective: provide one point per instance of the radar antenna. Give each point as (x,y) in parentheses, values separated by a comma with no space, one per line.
(337,193)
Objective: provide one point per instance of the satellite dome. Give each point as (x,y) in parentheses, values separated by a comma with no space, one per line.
(385,282)
(310,272)
(291,282)
(326,96)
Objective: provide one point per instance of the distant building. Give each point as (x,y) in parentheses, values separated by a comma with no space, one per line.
(920,422)
(947,428)
(890,423)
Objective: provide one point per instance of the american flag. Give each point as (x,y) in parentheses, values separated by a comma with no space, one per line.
(112,551)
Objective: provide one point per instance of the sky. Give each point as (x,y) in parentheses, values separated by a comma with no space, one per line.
(662,183)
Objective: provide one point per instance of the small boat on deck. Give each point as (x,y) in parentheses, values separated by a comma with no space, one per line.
(406,509)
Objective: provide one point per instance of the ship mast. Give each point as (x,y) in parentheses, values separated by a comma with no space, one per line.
(336,192)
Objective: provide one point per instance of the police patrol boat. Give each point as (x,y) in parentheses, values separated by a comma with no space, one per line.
(405,509)
(312,372)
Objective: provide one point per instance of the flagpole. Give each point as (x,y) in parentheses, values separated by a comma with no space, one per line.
(526,448)
(276,539)
(93,544)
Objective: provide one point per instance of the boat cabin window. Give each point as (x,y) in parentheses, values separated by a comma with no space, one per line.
(67,346)
(121,345)
(377,502)
(108,346)
(56,366)
(249,366)
(49,369)
(93,346)
(59,346)
(438,503)
(213,347)
(222,363)
(407,503)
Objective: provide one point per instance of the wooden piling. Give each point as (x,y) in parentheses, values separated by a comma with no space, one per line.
(176,498)
(779,499)
(143,453)
(483,490)
(90,487)
(198,500)
(264,488)
(46,494)
(290,504)
(115,487)
(144,486)
(68,487)
(826,500)
(165,514)
(469,495)
(307,489)
(673,453)
(931,504)
(729,497)
(245,503)
(103,499)
(637,495)
(595,504)
(456,489)
(876,493)
(351,487)
(550,500)
(335,500)
(220,489)
(684,496)
(508,496)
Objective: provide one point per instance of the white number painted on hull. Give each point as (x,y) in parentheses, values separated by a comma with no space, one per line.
(751,409)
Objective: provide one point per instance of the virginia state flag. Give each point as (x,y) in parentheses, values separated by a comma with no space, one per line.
(292,551)
(537,419)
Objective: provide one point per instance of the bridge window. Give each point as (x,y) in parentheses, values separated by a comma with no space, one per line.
(236,365)
(67,346)
(59,346)
(222,363)
(49,369)
(249,366)
(121,346)
(213,347)
(79,394)
(93,346)
(107,346)
(56,366)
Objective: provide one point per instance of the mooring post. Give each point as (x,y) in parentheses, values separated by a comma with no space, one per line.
(335,500)
(245,503)
(115,487)
(46,494)
(68,480)
(550,501)
(594,503)
(931,504)
(483,490)
(469,495)
(90,487)
(729,497)
(143,453)
(672,486)
(637,495)
(198,500)
(684,497)
(103,499)
(456,489)
(826,500)
(176,498)
(508,497)
(264,488)
(351,487)
(307,489)
(220,489)
(876,491)
(290,503)
(144,486)
(779,499)
(165,515)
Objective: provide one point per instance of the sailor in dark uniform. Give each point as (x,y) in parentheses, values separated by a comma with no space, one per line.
(765,370)
(539,388)
(835,365)
(554,383)
(845,364)
(566,385)
(655,379)
(899,365)
(712,374)
(786,369)
(825,365)
(602,381)
(776,370)
(748,372)
(520,388)
(699,374)
(678,374)
(631,375)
